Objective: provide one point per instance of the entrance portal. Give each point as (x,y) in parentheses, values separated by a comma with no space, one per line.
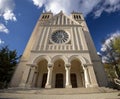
(44,79)
(77,77)
(73,80)
(59,81)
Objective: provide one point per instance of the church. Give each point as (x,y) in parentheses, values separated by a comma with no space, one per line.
(60,54)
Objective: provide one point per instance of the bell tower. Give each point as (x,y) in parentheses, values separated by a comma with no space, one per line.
(60,54)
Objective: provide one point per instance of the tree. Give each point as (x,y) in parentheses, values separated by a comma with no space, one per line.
(8,61)
(110,52)
(116,45)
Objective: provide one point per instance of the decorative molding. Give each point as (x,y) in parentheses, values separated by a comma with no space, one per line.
(86,65)
(68,65)
(64,51)
(43,25)
(49,65)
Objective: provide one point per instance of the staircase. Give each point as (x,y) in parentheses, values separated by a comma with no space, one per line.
(61,93)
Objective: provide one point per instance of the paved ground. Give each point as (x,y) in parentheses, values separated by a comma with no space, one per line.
(60,94)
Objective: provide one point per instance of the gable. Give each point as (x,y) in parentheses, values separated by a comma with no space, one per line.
(60,19)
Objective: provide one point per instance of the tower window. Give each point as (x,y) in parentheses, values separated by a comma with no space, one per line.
(77,17)
(47,16)
(44,17)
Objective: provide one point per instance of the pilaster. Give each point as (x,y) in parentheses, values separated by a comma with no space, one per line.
(92,76)
(30,78)
(25,77)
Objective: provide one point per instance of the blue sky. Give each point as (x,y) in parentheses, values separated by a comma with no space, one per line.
(18,18)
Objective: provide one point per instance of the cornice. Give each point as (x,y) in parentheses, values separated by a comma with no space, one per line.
(85,51)
(72,25)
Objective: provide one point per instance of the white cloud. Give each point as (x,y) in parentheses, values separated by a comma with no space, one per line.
(106,48)
(54,6)
(107,42)
(39,3)
(104,58)
(108,6)
(3,28)
(1,42)
(6,10)
(98,53)
(57,5)
(9,15)
(6,13)
(85,6)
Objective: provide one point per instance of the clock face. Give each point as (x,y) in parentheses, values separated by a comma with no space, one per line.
(59,37)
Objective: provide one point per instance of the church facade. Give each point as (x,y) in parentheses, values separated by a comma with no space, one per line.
(60,54)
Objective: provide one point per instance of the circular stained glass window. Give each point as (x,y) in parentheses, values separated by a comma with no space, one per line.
(60,36)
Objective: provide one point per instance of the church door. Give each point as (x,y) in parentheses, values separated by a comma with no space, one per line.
(44,79)
(73,80)
(59,81)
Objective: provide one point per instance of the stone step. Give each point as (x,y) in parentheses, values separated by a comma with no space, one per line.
(113,95)
(60,91)
(107,89)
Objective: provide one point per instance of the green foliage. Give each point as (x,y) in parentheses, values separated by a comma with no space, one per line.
(8,61)
(116,45)
(111,53)
(110,71)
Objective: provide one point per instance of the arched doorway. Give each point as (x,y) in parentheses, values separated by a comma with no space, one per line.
(41,76)
(76,74)
(73,80)
(59,80)
(59,74)
(44,79)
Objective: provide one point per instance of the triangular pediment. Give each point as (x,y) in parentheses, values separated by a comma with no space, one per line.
(60,19)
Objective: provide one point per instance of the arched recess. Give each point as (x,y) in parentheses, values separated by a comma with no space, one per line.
(58,74)
(40,77)
(57,57)
(80,58)
(42,57)
(77,71)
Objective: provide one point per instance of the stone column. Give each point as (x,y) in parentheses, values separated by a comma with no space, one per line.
(68,80)
(49,77)
(87,79)
(30,78)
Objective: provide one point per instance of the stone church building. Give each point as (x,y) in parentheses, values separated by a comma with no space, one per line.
(60,54)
